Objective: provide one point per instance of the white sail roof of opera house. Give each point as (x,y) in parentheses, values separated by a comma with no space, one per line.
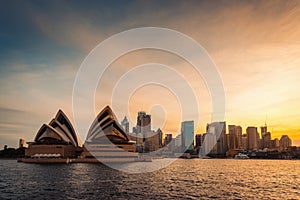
(59,130)
(106,126)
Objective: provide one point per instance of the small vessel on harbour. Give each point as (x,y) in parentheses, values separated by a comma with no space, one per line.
(241,156)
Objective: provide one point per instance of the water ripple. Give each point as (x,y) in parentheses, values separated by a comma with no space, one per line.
(184,179)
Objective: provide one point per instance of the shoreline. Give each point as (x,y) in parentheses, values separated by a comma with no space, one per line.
(93,160)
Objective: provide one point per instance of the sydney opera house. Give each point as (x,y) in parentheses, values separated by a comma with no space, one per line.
(107,141)
(58,142)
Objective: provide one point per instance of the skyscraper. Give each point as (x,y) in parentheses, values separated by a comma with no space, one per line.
(265,137)
(238,136)
(143,123)
(187,135)
(210,142)
(235,137)
(125,125)
(231,140)
(178,143)
(264,129)
(244,142)
(219,130)
(252,137)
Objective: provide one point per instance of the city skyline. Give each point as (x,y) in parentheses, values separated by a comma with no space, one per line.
(138,128)
(243,131)
(255,47)
(215,142)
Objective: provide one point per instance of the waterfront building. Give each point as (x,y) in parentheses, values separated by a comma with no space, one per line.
(265,137)
(210,142)
(253,138)
(178,143)
(107,141)
(187,135)
(231,137)
(56,139)
(219,130)
(275,143)
(234,137)
(266,141)
(244,142)
(143,123)
(152,141)
(238,136)
(285,142)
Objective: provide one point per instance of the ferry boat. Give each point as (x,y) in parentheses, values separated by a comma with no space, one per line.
(241,156)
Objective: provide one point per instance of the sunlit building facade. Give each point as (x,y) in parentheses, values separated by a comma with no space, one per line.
(253,138)
(234,137)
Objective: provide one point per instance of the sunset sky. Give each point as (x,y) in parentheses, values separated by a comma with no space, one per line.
(255,46)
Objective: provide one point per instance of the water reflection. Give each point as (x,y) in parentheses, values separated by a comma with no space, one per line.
(193,179)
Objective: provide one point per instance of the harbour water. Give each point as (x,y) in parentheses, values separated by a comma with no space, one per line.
(183,179)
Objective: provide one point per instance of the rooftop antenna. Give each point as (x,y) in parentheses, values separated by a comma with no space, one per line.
(266,120)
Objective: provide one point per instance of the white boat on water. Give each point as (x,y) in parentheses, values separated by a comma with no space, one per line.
(241,156)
